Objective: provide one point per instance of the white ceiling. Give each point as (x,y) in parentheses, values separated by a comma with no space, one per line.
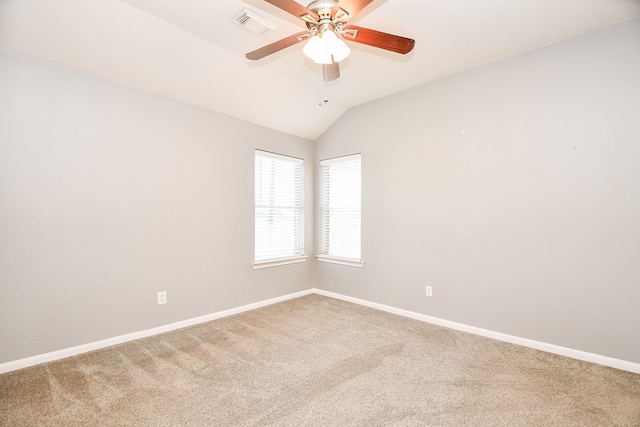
(192,51)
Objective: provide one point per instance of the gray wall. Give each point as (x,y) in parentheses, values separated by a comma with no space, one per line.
(526,223)
(108,195)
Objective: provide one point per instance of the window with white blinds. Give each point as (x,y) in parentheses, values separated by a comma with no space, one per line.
(279,209)
(340,210)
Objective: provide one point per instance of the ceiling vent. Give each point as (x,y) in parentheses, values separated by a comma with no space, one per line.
(254,23)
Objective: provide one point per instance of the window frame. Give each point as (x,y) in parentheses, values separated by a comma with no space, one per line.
(288,258)
(323,254)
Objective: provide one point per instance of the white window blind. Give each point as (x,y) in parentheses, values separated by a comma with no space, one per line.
(279,207)
(340,207)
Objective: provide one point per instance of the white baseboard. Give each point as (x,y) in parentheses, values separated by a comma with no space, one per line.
(549,348)
(85,348)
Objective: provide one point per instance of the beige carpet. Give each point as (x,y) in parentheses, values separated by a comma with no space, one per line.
(317,361)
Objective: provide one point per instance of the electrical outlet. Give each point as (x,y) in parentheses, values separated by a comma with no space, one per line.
(162,297)
(429,291)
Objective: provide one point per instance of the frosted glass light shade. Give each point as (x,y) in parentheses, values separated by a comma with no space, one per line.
(321,48)
(314,49)
(336,46)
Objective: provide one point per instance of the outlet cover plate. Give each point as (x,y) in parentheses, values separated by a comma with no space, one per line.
(162,297)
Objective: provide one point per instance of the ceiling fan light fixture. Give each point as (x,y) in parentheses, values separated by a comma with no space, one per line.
(336,46)
(321,48)
(316,51)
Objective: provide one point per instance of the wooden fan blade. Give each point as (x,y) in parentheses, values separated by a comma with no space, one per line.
(350,6)
(277,46)
(294,8)
(378,39)
(330,71)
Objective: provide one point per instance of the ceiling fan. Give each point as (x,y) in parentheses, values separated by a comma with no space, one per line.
(327,28)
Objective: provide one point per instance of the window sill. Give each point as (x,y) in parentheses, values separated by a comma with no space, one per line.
(343,261)
(275,262)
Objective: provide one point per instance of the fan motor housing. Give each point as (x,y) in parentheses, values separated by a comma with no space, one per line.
(322,8)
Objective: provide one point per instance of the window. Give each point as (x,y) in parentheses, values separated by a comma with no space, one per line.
(340,210)
(279,209)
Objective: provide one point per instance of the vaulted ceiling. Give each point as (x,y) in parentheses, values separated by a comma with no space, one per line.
(191,50)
